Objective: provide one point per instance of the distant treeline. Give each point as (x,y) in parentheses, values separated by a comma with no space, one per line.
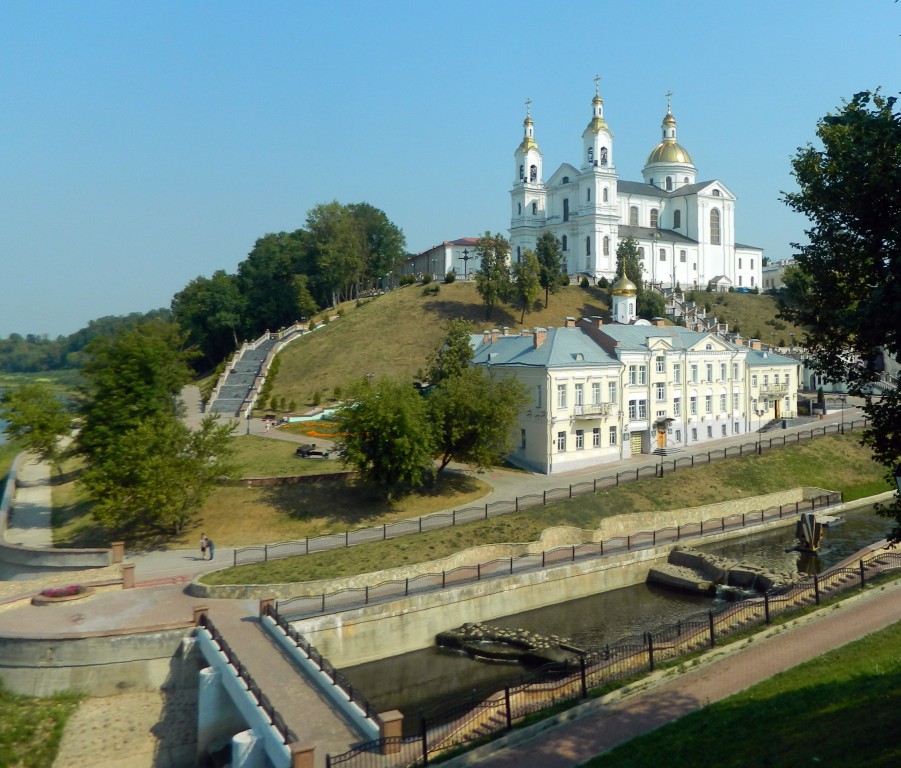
(33,353)
(288,276)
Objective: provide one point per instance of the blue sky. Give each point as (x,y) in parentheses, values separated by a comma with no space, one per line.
(144,144)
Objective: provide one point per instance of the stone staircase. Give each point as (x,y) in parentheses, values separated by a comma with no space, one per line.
(241,378)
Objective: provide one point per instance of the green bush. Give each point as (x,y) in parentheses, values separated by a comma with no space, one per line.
(450,277)
(603,282)
(407,280)
(431,290)
(317,397)
(426,278)
(583,283)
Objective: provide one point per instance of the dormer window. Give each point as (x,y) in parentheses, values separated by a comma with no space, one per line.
(716,193)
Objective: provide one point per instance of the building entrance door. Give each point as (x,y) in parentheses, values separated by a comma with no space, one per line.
(635,442)
(661,436)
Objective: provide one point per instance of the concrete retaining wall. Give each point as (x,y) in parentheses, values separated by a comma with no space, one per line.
(100,664)
(410,624)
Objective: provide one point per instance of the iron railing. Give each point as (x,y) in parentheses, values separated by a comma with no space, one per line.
(277,721)
(437,520)
(457,724)
(395,589)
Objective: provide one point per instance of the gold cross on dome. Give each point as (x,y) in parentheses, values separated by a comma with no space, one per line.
(528,107)
(597,80)
(669,95)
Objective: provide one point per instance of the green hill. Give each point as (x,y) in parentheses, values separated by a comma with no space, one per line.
(754,316)
(394,334)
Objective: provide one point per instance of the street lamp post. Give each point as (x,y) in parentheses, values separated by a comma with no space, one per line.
(792,337)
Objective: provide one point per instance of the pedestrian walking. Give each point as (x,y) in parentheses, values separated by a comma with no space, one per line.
(209,543)
(204,543)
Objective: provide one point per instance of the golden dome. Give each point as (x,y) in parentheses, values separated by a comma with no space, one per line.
(669,151)
(527,143)
(624,287)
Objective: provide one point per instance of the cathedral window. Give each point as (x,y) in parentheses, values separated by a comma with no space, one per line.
(606,245)
(669,183)
(519,209)
(716,193)
(588,194)
(518,253)
(565,209)
(522,172)
(654,216)
(588,246)
(682,255)
(591,155)
(715,226)
(662,254)
(564,243)
(633,216)
(565,180)
(534,209)
(677,219)
(533,173)
(606,198)
(603,155)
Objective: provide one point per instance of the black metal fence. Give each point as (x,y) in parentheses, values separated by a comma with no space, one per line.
(357,597)
(436,520)
(288,736)
(354,695)
(457,724)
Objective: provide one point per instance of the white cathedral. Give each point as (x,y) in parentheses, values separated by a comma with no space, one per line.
(685,229)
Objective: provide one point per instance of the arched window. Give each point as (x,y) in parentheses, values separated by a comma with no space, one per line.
(685,180)
(633,216)
(606,245)
(606,196)
(518,253)
(533,173)
(588,246)
(669,183)
(564,243)
(534,209)
(716,193)
(603,155)
(677,219)
(591,155)
(522,172)
(519,209)
(588,194)
(654,214)
(565,209)
(565,180)
(715,226)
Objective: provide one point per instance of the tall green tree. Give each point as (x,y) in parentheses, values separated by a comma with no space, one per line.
(454,355)
(551,262)
(160,476)
(473,416)
(493,274)
(797,288)
(628,261)
(35,415)
(210,311)
(526,283)
(387,436)
(129,378)
(849,188)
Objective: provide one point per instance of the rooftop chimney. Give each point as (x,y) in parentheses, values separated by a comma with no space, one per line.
(494,334)
(539,338)
(570,322)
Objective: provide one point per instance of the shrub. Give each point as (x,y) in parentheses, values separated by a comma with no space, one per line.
(583,283)
(426,278)
(450,277)
(407,280)
(341,310)
(326,319)
(603,282)
(431,290)
(292,406)
(337,392)
(317,397)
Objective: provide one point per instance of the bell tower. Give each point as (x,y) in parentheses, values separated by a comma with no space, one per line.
(528,197)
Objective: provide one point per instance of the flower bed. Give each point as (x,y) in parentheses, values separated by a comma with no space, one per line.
(53,595)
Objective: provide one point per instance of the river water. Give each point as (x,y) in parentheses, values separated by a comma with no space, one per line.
(417,680)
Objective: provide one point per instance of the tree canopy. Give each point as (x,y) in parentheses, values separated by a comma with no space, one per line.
(493,274)
(526,283)
(35,415)
(454,355)
(850,191)
(551,262)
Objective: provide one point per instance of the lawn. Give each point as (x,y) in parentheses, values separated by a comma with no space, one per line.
(836,463)
(835,711)
(31,728)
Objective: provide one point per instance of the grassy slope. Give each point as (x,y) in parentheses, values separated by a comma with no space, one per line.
(394,334)
(753,315)
(837,463)
(31,728)
(837,710)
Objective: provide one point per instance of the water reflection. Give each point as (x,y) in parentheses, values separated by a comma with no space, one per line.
(415,681)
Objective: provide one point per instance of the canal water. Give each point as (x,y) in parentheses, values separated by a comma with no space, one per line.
(415,681)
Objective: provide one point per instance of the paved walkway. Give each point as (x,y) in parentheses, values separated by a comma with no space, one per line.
(30,521)
(599,726)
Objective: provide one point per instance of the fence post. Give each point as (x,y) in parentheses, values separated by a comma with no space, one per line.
(582,677)
(306,545)
(570,490)
(366,596)
(863,581)
(508,709)
(323,603)
(406,586)
(384,532)
(654,538)
(542,558)
(678,532)
(742,519)
(420,525)
(574,553)
(766,607)
(265,553)
(650,652)
(629,541)
(816,588)
(712,632)
(346,538)
(722,523)
(595,489)
(442,579)
(235,558)
(517,504)
(486,511)
(544,498)
(425,740)
(511,565)
(478,571)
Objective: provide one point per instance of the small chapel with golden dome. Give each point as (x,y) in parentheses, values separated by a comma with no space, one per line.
(684,228)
